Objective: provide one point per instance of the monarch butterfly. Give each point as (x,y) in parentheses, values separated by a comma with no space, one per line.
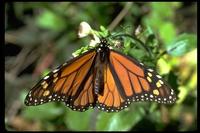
(102,78)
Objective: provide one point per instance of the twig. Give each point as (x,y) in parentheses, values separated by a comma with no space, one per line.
(30,59)
(9,38)
(16,105)
(120,16)
(93,120)
(19,62)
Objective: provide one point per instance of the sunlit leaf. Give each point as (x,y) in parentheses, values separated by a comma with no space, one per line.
(182,44)
(167,32)
(164,66)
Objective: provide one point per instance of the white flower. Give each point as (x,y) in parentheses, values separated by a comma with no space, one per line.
(138,30)
(84,29)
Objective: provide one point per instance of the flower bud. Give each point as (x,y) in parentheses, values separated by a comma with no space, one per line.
(84,29)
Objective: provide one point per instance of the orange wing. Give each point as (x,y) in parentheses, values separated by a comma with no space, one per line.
(111,100)
(127,80)
(66,83)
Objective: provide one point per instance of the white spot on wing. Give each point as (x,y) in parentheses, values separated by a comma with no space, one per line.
(64,64)
(158,76)
(54,71)
(150,70)
(46,77)
(161,82)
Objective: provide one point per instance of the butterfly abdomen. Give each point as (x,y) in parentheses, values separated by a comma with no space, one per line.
(99,81)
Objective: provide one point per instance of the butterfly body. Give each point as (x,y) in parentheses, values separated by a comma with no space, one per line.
(101,61)
(101,78)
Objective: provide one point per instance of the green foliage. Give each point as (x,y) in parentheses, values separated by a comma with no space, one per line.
(51,21)
(122,121)
(45,112)
(81,50)
(183,44)
(160,19)
(167,32)
(78,121)
(103,31)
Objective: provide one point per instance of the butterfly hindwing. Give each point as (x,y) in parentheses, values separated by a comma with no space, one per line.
(110,100)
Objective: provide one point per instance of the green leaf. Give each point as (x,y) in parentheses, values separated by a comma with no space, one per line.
(165,9)
(149,31)
(121,121)
(47,111)
(78,121)
(151,40)
(137,53)
(182,44)
(127,47)
(50,20)
(164,66)
(167,32)
(102,28)
(103,31)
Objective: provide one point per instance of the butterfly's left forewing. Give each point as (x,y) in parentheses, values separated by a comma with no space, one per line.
(64,84)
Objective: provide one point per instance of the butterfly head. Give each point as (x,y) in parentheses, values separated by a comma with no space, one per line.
(103,43)
(103,40)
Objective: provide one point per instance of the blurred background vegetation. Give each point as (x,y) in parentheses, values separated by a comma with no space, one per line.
(41,36)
